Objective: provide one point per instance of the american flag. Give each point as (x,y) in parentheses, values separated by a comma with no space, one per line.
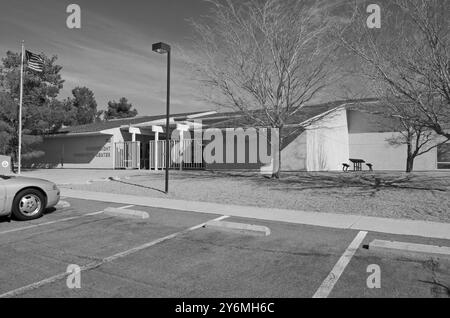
(35,62)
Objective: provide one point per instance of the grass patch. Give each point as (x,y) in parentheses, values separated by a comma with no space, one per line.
(423,196)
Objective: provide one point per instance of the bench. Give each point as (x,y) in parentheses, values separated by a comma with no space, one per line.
(357,164)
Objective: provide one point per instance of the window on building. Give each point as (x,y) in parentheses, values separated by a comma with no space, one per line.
(443,156)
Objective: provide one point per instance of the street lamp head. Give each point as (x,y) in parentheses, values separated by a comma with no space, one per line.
(161,48)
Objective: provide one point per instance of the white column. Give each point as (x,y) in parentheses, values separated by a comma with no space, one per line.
(181,148)
(156,150)
(113,152)
(157,130)
(134,131)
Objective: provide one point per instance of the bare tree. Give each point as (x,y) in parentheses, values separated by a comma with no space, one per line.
(265,58)
(418,139)
(408,64)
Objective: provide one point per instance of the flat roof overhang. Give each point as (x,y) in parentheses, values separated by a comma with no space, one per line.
(74,135)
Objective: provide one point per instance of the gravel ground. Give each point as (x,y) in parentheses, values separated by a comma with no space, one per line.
(420,196)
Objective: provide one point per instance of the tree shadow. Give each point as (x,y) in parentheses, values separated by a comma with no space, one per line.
(137,185)
(361,183)
(437,288)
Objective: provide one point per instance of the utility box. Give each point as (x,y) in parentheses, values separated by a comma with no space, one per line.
(5,165)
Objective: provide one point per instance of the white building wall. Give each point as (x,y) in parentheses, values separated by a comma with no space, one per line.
(73,152)
(293,157)
(327,143)
(373,148)
(116,133)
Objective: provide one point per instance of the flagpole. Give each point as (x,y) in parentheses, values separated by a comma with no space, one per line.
(19,159)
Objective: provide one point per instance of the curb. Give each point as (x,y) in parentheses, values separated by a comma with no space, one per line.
(239,227)
(107,179)
(62,205)
(329,220)
(420,251)
(132,214)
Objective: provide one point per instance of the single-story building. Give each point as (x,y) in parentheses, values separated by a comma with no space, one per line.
(316,138)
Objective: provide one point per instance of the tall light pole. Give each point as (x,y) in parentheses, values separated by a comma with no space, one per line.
(163,48)
(19,159)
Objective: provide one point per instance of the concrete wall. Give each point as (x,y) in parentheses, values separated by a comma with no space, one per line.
(362,122)
(91,152)
(373,148)
(294,156)
(324,146)
(117,135)
(327,143)
(367,134)
(444,157)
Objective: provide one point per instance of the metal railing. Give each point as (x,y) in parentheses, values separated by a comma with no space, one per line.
(187,154)
(127,155)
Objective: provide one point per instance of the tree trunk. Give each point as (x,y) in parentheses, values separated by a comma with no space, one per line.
(410,160)
(410,165)
(276,174)
(13,162)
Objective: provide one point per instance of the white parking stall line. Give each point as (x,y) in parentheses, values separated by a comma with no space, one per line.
(127,207)
(329,282)
(56,221)
(96,264)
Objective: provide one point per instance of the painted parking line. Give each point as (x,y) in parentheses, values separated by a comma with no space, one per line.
(329,282)
(96,264)
(56,221)
(127,207)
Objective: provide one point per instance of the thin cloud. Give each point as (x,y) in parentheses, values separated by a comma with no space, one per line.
(111,57)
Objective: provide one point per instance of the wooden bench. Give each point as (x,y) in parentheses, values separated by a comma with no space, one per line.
(345,167)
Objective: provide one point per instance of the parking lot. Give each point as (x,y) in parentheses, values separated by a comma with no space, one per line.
(171,254)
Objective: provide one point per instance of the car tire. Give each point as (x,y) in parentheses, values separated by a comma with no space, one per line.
(29,204)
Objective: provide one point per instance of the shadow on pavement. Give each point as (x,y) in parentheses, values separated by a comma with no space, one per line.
(137,185)
(50,211)
(438,289)
(5,219)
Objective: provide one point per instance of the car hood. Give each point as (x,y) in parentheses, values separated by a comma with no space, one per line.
(11,179)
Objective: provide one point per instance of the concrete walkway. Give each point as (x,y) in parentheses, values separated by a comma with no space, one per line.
(80,176)
(340,221)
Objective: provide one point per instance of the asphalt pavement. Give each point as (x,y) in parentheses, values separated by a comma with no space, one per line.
(171,254)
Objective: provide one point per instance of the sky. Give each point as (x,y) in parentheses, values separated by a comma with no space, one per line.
(111,53)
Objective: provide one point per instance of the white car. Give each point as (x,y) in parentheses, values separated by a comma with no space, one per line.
(26,198)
